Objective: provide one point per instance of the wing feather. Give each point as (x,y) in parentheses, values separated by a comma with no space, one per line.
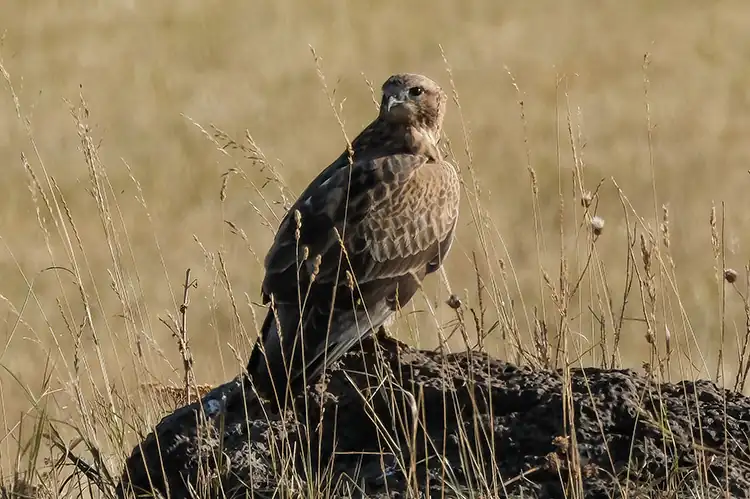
(391,213)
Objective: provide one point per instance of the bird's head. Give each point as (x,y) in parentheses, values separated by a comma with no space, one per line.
(415,100)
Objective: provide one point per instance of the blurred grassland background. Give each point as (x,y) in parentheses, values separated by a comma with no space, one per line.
(148,69)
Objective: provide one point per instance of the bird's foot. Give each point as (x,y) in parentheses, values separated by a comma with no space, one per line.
(382,336)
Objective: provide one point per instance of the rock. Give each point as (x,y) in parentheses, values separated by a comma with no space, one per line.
(434,425)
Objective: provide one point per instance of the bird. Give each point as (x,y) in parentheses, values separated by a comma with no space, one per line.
(358,242)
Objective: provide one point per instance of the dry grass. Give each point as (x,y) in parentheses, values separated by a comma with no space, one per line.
(102,214)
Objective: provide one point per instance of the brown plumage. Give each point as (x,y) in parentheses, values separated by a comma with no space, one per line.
(393,212)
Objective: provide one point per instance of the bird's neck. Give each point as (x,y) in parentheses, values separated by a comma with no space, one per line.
(381,138)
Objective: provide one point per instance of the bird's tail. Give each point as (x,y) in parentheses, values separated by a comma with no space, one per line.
(288,356)
(272,362)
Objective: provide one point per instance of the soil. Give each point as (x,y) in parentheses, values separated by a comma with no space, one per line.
(455,425)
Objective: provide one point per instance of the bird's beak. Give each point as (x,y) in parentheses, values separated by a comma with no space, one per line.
(392,102)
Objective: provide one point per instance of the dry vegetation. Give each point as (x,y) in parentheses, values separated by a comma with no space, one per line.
(562,116)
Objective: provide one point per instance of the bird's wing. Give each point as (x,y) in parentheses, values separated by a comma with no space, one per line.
(393,215)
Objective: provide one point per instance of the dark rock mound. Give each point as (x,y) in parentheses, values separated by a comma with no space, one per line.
(460,425)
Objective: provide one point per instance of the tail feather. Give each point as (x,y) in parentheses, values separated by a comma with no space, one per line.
(282,364)
(273,358)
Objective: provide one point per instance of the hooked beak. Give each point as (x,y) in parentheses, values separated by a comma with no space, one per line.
(392,102)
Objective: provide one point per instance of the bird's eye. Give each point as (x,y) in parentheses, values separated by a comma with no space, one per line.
(416,91)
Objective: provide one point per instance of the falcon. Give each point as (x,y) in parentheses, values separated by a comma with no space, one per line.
(358,242)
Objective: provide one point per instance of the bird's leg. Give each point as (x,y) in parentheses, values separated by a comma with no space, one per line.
(382,334)
(383,337)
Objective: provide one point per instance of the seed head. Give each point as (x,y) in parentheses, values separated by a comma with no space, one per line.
(316,267)
(562,444)
(730,275)
(586,199)
(454,302)
(597,225)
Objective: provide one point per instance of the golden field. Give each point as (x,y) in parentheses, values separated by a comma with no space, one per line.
(91,257)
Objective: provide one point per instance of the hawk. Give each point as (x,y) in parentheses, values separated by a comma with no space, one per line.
(358,242)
